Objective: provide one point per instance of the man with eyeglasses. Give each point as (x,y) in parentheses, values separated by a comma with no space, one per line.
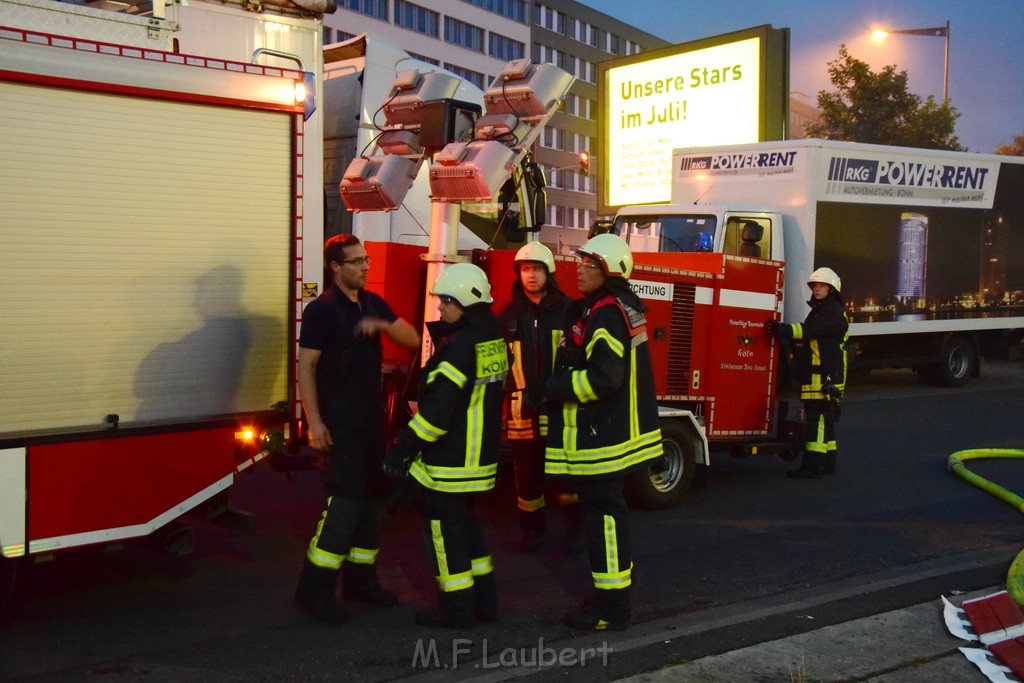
(603,421)
(339,377)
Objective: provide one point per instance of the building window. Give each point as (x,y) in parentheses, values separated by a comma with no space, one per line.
(506,49)
(378,9)
(584,32)
(611,43)
(460,33)
(582,69)
(416,18)
(424,58)
(556,215)
(552,138)
(474,77)
(510,9)
(549,55)
(548,18)
(633,48)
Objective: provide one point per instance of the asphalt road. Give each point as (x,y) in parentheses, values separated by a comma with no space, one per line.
(751,557)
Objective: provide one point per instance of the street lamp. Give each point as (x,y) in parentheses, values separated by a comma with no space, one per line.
(940,31)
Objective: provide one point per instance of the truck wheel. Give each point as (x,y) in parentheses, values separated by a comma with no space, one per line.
(956,365)
(665,481)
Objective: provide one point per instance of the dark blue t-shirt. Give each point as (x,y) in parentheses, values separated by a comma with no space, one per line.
(348,374)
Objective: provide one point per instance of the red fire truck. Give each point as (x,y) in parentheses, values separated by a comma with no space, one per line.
(157,197)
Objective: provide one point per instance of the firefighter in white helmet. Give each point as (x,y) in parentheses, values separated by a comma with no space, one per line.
(605,420)
(451,445)
(533,323)
(820,367)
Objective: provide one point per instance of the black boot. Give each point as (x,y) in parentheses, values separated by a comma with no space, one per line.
(485,598)
(454,610)
(830,462)
(359,583)
(811,467)
(609,611)
(315,594)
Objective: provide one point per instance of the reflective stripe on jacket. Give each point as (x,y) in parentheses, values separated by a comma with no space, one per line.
(533,332)
(824,334)
(457,427)
(608,419)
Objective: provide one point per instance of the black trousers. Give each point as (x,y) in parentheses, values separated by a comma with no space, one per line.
(820,427)
(350,526)
(454,540)
(606,525)
(528,458)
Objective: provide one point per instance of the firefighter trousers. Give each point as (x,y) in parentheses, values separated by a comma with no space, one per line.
(820,435)
(349,530)
(454,540)
(606,525)
(528,457)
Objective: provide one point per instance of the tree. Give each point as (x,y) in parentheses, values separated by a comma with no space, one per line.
(876,107)
(1012,149)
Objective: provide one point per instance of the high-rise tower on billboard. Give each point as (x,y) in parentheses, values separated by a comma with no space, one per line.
(913,258)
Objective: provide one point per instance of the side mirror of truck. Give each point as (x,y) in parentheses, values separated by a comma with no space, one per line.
(601,228)
(705,241)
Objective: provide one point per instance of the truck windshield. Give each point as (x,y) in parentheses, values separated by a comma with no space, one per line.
(667,233)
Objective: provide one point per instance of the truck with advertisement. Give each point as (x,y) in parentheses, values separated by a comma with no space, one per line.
(929,246)
(161,229)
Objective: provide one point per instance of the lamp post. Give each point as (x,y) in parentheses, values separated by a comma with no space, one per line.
(940,31)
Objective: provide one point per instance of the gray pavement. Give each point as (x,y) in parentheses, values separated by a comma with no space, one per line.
(902,646)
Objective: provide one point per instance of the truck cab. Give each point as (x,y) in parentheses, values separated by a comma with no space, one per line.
(685,228)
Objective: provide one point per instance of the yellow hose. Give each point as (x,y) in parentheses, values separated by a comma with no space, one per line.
(1015,577)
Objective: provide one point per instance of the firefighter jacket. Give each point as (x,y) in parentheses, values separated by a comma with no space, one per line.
(533,331)
(604,417)
(822,353)
(453,438)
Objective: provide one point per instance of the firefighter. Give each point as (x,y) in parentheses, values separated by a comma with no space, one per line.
(820,367)
(339,377)
(533,323)
(451,445)
(605,420)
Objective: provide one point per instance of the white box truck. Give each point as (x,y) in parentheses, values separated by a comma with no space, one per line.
(929,244)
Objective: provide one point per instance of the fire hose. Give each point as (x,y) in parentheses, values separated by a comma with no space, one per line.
(1015,577)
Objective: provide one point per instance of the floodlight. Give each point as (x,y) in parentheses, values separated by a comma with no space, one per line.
(470,171)
(377,183)
(400,141)
(505,128)
(411,89)
(527,90)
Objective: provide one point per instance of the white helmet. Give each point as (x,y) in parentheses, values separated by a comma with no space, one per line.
(826,275)
(465,283)
(612,252)
(535,251)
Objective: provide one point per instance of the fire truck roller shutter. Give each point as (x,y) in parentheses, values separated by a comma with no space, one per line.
(145,265)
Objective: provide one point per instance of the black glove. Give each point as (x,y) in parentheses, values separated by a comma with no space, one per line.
(534,397)
(396,464)
(772,327)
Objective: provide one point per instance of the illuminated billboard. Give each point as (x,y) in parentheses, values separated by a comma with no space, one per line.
(728,89)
